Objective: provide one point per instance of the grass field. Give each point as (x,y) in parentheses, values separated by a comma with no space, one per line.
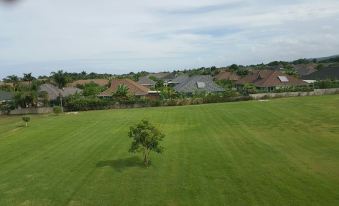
(280,152)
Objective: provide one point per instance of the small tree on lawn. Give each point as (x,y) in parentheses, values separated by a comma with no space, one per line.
(26,119)
(146,138)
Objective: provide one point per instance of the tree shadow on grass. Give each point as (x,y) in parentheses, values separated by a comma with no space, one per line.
(121,164)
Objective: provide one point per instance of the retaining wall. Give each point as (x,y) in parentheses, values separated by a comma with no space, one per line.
(316,92)
(40,110)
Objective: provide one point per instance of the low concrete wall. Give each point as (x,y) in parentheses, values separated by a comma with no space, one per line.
(41,110)
(316,92)
(124,106)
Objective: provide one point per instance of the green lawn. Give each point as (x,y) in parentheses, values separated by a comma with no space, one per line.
(280,152)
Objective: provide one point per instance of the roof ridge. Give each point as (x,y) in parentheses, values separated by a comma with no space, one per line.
(267,78)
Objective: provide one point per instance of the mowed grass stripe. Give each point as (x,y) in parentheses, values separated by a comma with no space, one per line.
(59,154)
(281,152)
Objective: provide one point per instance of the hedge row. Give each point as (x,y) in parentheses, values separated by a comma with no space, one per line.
(85,104)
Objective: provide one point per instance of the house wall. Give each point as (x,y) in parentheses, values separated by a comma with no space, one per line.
(316,92)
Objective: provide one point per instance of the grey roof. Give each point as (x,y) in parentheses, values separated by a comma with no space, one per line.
(205,83)
(5,96)
(162,75)
(146,81)
(54,92)
(180,79)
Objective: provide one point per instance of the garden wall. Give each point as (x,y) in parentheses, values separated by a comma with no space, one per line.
(316,92)
(41,110)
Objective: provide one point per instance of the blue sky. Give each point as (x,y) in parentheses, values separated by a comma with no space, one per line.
(112,36)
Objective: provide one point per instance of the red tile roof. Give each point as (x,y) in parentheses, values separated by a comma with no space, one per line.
(269,78)
(133,88)
(227,75)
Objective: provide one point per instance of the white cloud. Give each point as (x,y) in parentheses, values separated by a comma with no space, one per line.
(123,36)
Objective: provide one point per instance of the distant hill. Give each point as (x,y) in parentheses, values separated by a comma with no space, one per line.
(331,72)
(330,59)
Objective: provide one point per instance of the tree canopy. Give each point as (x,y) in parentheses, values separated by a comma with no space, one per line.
(60,78)
(146,138)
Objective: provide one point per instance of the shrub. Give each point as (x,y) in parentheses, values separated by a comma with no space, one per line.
(76,103)
(7,107)
(249,89)
(326,84)
(171,102)
(155,103)
(26,119)
(57,110)
(197,101)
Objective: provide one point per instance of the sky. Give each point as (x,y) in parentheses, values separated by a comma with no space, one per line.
(110,36)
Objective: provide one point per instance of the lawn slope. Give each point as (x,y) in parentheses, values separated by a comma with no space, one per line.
(280,152)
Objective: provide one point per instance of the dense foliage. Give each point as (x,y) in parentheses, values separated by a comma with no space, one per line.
(325,84)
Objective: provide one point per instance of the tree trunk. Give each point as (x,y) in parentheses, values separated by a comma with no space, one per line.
(146,156)
(26,124)
(62,109)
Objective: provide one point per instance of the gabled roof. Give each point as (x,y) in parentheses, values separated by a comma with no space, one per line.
(180,79)
(5,96)
(198,83)
(146,81)
(269,78)
(227,75)
(100,82)
(54,92)
(133,88)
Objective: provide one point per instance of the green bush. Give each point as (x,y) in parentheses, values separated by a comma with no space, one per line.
(6,108)
(326,84)
(155,103)
(57,110)
(26,119)
(77,103)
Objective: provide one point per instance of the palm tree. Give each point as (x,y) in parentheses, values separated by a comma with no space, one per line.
(121,91)
(60,78)
(28,77)
(14,80)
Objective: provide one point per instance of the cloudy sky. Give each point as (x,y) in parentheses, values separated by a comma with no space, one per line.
(114,36)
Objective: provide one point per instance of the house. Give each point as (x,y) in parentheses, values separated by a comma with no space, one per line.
(54,92)
(329,73)
(5,96)
(269,80)
(227,75)
(134,89)
(100,82)
(178,80)
(199,83)
(146,82)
